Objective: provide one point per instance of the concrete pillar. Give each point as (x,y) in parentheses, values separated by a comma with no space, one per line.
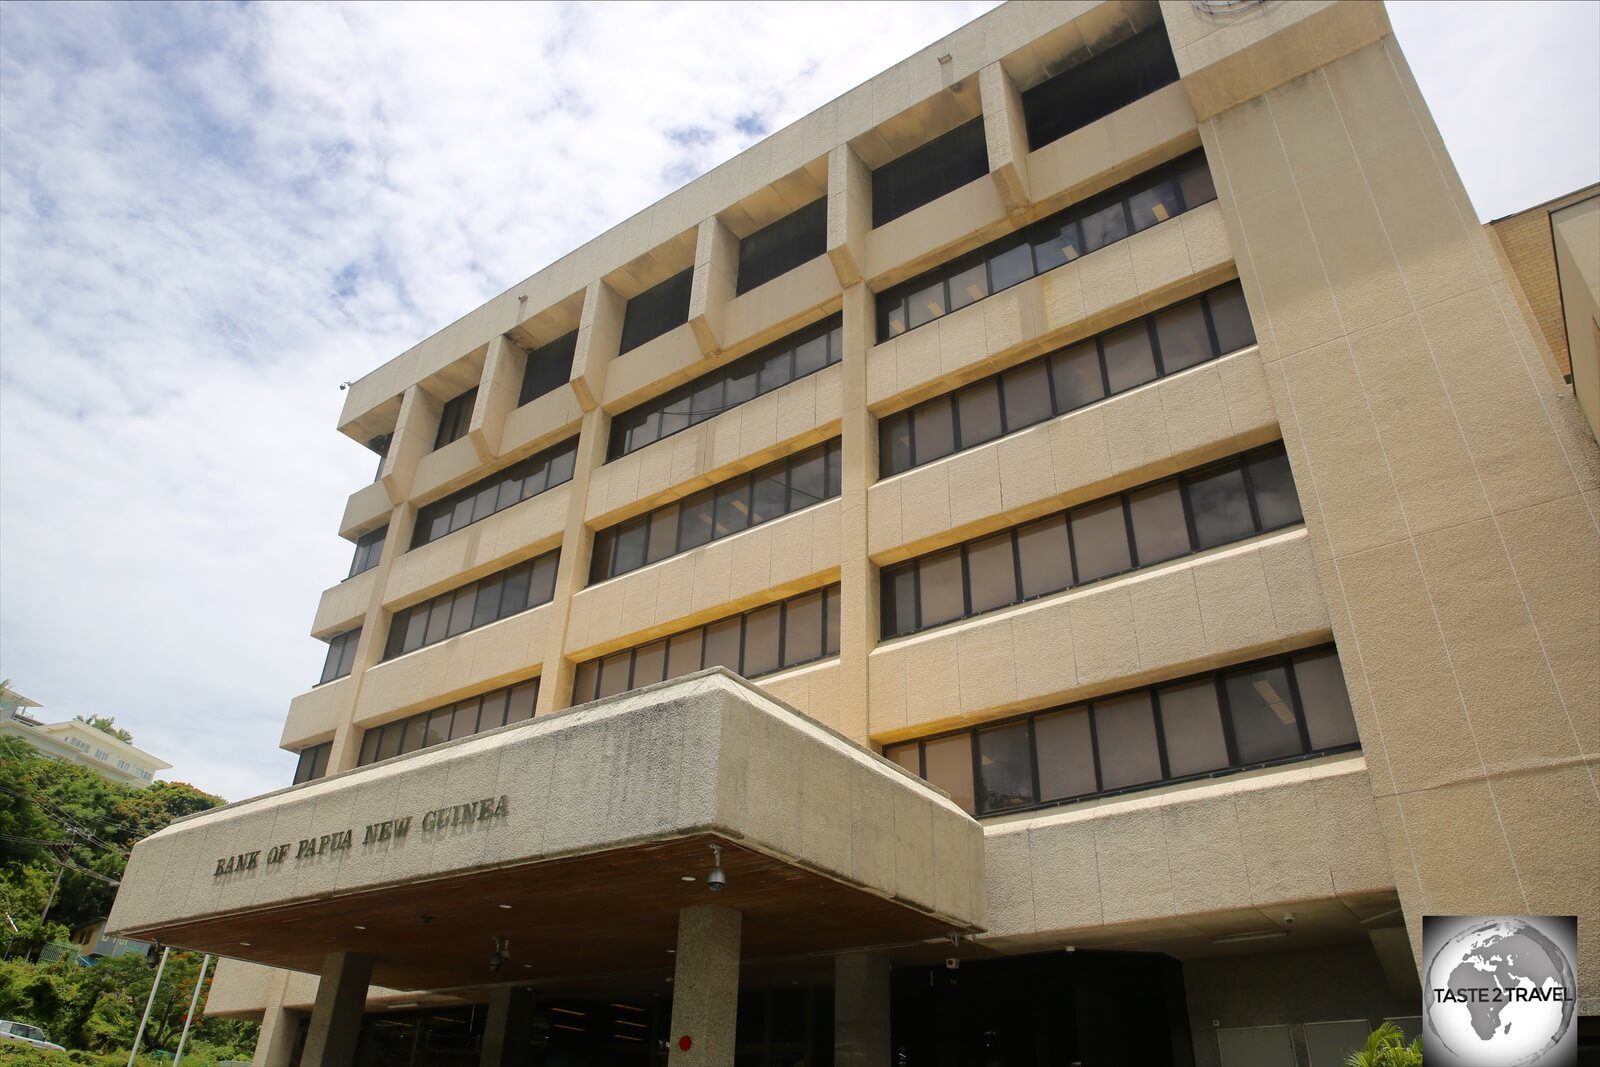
(336,1015)
(508,1028)
(849,213)
(860,1010)
(1006,131)
(279,1028)
(577,545)
(501,382)
(705,987)
(858,578)
(716,272)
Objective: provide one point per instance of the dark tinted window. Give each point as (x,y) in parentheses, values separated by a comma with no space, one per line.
(487,600)
(927,172)
(500,490)
(1131,740)
(369,551)
(341,655)
(721,511)
(781,246)
(1147,200)
(313,762)
(1101,84)
(656,310)
(449,723)
(716,391)
(1139,528)
(1005,767)
(1262,709)
(767,639)
(454,418)
(549,368)
(1060,381)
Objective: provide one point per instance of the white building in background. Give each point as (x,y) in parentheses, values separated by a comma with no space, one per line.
(77,742)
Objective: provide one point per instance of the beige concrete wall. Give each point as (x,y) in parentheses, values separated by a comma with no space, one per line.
(1576,230)
(1204,611)
(768,562)
(1122,281)
(523,530)
(1173,424)
(343,606)
(1198,861)
(1451,492)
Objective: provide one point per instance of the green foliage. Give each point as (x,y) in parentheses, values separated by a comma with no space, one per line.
(97,1009)
(1386,1047)
(53,811)
(108,725)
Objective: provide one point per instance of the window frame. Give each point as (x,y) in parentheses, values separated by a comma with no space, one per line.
(564,452)
(1218,680)
(898,296)
(505,579)
(1239,461)
(905,420)
(372,736)
(455,418)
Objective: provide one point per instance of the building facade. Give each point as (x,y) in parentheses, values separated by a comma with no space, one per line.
(75,741)
(1077,532)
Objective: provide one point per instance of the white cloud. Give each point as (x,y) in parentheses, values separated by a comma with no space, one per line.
(216,213)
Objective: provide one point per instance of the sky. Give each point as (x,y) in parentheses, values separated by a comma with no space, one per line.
(212,214)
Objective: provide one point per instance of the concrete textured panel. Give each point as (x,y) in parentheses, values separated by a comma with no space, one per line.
(674,777)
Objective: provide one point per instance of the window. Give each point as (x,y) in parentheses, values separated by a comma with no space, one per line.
(1195,331)
(455,418)
(765,494)
(498,491)
(716,391)
(1106,82)
(781,246)
(380,445)
(1174,517)
(369,551)
(548,368)
(928,171)
(1159,194)
(449,723)
(498,596)
(1266,712)
(767,639)
(313,763)
(341,655)
(656,310)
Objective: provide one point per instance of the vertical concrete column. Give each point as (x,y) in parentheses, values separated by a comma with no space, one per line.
(849,214)
(279,1027)
(716,273)
(858,584)
(1449,490)
(414,431)
(599,337)
(503,367)
(705,986)
(507,1028)
(860,1010)
(1006,131)
(336,1014)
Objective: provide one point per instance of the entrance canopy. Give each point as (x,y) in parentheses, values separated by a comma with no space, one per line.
(575,839)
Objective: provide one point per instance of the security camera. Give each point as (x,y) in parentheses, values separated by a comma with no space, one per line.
(716,881)
(951,963)
(494,963)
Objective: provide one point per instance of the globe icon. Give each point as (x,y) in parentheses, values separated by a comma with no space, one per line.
(1498,994)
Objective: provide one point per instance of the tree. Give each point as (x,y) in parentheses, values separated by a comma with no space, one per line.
(108,725)
(1386,1047)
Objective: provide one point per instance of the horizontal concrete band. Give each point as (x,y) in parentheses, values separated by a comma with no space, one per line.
(706,756)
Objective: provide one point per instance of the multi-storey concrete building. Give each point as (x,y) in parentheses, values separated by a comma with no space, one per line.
(1161,557)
